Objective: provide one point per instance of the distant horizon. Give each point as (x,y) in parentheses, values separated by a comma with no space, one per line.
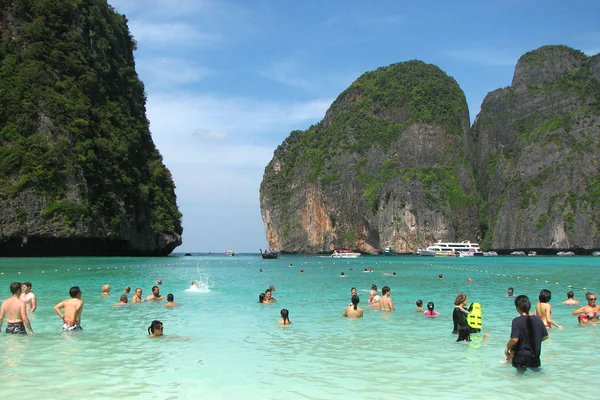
(227,82)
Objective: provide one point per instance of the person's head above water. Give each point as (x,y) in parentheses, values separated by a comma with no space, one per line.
(419,303)
(511,291)
(285,315)
(155,328)
(570,295)
(355,300)
(170,297)
(123,298)
(261,298)
(430,306)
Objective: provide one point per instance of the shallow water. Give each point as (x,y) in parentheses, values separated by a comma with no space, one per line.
(222,344)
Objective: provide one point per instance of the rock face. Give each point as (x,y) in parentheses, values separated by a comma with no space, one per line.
(79,173)
(394,163)
(536,154)
(385,167)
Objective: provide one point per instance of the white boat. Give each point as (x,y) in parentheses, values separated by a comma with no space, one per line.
(518,253)
(389,251)
(230,253)
(596,253)
(490,254)
(532,254)
(344,254)
(445,248)
(565,254)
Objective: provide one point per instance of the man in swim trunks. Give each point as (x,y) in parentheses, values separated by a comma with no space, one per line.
(155,296)
(73,308)
(385,301)
(15,311)
(28,297)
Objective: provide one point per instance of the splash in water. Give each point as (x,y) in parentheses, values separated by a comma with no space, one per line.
(200,285)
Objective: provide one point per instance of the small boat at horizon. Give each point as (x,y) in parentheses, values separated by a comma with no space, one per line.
(230,253)
(565,254)
(518,253)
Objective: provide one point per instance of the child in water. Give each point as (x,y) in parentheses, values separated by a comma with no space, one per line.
(430,312)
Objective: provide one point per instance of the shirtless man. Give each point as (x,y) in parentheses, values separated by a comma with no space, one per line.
(571,299)
(123,301)
(72,310)
(28,297)
(269,296)
(155,296)
(137,296)
(385,301)
(15,311)
(170,302)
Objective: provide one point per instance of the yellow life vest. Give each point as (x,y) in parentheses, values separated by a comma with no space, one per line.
(474,316)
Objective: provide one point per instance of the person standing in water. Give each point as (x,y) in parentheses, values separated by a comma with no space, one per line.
(155,296)
(430,310)
(15,311)
(28,297)
(73,308)
(137,296)
(353,311)
(170,302)
(543,309)
(385,301)
(285,317)
(571,299)
(526,336)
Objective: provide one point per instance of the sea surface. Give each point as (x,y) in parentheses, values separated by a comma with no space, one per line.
(222,344)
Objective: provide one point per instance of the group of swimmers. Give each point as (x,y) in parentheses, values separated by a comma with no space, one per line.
(23,301)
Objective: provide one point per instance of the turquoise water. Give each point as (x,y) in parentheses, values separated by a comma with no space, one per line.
(222,344)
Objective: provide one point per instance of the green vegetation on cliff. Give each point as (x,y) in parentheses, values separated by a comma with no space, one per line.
(72,120)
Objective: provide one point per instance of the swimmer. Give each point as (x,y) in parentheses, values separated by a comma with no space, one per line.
(351,269)
(170,302)
(386,302)
(194,285)
(158,282)
(137,296)
(372,293)
(105,290)
(155,296)
(285,317)
(511,292)
(291,266)
(440,276)
(353,291)
(127,289)
(543,309)
(342,275)
(366,270)
(469,280)
(261,270)
(28,297)
(419,304)
(430,312)
(155,329)
(261,298)
(269,296)
(590,309)
(73,308)
(123,300)
(301,271)
(15,311)
(571,299)
(353,311)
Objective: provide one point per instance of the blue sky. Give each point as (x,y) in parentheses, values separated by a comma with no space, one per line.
(228,80)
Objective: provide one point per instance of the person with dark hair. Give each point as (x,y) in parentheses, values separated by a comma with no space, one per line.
(526,336)
(571,299)
(419,304)
(385,301)
(353,291)
(262,298)
(28,297)
(511,292)
(543,309)
(15,311)
(269,296)
(170,301)
(73,308)
(459,315)
(430,310)
(155,296)
(353,310)
(285,317)
(591,310)
(155,329)
(372,293)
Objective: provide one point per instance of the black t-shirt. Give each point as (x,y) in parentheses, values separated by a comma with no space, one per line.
(519,330)
(459,318)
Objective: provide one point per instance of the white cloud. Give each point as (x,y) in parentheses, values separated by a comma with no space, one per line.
(163,73)
(208,134)
(163,34)
(488,57)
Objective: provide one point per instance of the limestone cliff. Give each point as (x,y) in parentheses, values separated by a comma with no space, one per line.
(79,172)
(385,167)
(536,154)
